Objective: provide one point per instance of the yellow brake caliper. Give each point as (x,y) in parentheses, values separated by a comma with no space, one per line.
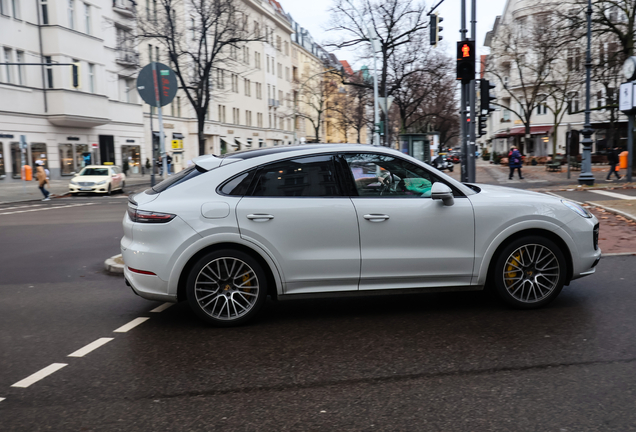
(511,270)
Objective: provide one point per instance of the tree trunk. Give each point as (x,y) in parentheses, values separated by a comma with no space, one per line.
(200,132)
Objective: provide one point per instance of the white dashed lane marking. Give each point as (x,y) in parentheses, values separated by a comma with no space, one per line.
(1,399)
(46,208)
(90,347)
(131,325)
(43,373)
(162,307)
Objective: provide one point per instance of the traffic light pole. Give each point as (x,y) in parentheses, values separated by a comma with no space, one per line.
(471,89)
(464,119)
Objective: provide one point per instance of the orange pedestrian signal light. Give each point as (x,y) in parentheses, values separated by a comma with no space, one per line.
(465,51)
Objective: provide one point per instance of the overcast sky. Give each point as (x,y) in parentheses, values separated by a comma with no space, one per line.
(314,16)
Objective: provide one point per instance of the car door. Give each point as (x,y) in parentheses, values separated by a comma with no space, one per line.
(407,239)
(296,210)
(115,180)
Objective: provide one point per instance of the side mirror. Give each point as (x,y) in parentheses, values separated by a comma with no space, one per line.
(441,191)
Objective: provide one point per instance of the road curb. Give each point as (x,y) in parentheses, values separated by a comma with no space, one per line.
(112,266)
(612,210)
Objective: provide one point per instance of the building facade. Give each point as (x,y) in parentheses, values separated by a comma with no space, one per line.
(66,127)
(530,76)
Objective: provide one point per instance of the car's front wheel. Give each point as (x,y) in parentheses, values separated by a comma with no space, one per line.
(226,288)
(529,272)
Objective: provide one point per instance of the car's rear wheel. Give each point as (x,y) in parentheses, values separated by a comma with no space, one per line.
(529,272)
(226,288)
(108,191)
(123,185)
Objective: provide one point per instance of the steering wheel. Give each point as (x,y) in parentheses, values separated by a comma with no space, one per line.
(387,183)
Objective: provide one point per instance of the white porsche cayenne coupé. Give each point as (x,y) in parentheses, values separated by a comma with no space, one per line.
(335,220)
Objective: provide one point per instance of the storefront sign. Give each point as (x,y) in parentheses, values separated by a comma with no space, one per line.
(177,144)
(72,138)
(130,141)
(6,136)
(168,126)
(95,145)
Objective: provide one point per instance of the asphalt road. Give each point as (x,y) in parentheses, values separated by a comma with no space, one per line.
(421,362)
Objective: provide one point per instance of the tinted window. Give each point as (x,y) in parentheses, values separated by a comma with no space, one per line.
(175,179)
(312,176)
(94,172)
(381,175)
(239,185)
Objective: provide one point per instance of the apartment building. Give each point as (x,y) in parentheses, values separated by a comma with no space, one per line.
(513,64)
(98,121)
(252,95)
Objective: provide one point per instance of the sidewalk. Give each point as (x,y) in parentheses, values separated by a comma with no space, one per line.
(538,179)
(20,191)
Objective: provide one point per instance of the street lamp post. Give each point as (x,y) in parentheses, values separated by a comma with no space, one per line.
(586,177)
(372,39)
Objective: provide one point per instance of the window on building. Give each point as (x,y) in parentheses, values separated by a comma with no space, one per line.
(248,118)
(259,119)
(91,78)
(574,59)
(71,14)
(573,105)
(156,53)
(44,9)
(49,72)
(286,48)
(235,83)
(267,59)
(542,106)
(87,18)
(17,12)
(278,43)
(257,29)
(236,116)
(19,58)
(280,97)
(8,76)
(257,60)
(600,103)
(287,74)
(259,91)
(220,78)
(280,70)
(246,55)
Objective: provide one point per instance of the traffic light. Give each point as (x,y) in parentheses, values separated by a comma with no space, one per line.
(435,29)
(466,61)
(481,126)
(75,75)
(485,96)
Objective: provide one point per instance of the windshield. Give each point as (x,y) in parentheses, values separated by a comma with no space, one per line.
(94,172)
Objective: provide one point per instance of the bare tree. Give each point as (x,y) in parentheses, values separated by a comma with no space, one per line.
(313,95)
(523,60)
(201,38)
(349,108)
(396,23)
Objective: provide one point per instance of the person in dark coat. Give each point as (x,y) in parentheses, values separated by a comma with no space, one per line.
(612,158)
(514,162)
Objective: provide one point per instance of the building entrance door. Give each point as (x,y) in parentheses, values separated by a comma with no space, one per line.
(107,148)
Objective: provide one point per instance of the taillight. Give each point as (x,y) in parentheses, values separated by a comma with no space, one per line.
(144,272)
(142,216)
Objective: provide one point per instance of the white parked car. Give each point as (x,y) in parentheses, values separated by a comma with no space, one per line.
(98,179)
(327,220)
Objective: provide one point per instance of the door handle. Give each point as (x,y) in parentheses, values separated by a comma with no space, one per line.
(376,217)
(260,217)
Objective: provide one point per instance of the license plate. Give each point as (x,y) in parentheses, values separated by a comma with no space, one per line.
(86,188)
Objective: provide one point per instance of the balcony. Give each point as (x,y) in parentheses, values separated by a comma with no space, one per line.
(127,57)
(77,109)
(273,103)
(124,7)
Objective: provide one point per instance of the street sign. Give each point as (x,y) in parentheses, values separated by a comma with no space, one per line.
(626,98)
(385,103)
(166,81)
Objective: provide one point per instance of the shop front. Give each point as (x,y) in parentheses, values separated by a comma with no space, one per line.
(33,152)
(73,157)
(131,159)
(3,173)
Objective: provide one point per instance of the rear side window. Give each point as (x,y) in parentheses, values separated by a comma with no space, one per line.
(175,179)
(312,176)
(239,185)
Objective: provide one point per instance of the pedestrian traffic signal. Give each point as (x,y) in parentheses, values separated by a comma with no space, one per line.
(435,29)
(481,126)
(486,97)
(466,61)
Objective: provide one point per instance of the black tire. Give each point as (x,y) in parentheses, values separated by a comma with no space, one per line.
(108,191)
(532,267)
(123,185)
(215,283)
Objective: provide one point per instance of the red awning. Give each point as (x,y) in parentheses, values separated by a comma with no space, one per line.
(521,130)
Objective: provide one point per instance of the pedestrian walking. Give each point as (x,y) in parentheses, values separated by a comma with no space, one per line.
(514,162)
(612,158)
(40,176)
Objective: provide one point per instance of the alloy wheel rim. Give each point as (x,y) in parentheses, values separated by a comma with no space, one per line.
(226,288)
(531,273)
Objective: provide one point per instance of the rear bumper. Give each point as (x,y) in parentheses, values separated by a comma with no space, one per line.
(148,287)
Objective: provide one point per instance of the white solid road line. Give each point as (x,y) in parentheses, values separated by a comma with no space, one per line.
(1,399)
(47,208)
(134,323)
(27,206)
(614,194)
(90,347)
(39,375)
(162,307)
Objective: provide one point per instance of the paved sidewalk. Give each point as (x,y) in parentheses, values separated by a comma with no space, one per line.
(20,191)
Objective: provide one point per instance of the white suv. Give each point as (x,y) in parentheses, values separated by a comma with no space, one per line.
(326,220)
